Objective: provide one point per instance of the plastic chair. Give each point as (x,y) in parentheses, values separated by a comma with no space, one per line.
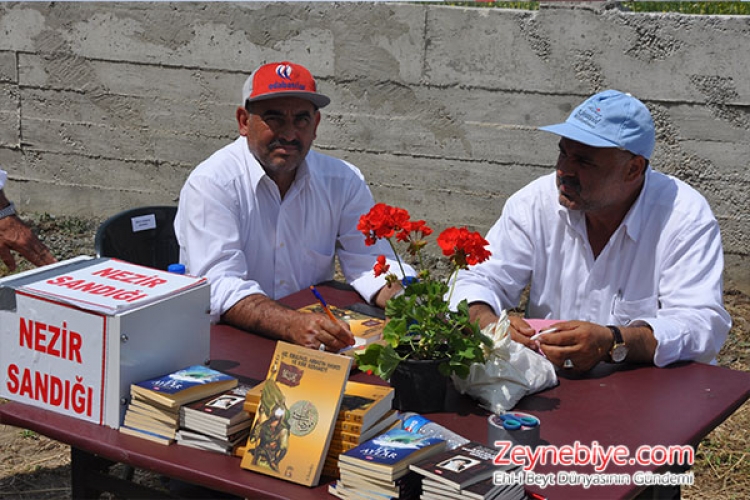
(143,235)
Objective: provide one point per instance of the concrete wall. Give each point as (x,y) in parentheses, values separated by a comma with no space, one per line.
(108,106)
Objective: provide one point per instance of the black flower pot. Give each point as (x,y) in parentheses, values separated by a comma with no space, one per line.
(420,387)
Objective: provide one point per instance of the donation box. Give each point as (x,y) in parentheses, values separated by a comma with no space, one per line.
(74,335)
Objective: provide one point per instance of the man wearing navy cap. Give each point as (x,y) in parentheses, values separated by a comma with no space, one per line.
(265,216)
(629,259)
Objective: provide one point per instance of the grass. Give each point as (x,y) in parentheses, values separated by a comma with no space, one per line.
(691,8)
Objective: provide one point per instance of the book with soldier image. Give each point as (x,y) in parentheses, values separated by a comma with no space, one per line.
(296,414)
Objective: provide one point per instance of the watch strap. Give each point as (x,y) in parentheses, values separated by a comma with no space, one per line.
(619,350)
(8,211)
(617,334)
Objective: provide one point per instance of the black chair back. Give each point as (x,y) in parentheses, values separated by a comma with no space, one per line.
(143,235)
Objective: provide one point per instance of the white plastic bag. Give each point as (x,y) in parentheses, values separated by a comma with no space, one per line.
(511,371)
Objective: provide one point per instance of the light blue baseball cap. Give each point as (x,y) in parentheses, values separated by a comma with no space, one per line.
(610,119)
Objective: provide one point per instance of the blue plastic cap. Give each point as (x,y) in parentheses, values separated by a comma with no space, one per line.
(176,268)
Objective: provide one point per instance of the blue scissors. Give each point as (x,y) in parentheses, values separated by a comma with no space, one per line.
(513,422)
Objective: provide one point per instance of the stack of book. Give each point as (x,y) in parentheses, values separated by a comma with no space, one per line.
(217,423)
(379,467)
(465,473)
(366,411)
(154,409)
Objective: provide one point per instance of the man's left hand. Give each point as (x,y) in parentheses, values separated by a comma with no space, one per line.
(583,344)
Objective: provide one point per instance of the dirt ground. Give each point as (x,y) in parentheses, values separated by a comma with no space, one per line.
(33,467)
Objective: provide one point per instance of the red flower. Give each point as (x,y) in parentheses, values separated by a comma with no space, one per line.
(465,248)
(382,221)
(380,266)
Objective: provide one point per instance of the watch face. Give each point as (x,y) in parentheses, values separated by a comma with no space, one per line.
(619,353)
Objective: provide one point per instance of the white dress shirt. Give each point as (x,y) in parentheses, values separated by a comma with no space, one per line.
(3,178)
(663,266)
(235,229)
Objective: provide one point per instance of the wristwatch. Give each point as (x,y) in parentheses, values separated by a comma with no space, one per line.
(619,350)
(8,211)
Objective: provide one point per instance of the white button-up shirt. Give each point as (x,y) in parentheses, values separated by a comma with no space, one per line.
(235,229)
(663,265)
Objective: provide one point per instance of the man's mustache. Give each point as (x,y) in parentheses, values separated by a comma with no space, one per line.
(570,183)
(282,143)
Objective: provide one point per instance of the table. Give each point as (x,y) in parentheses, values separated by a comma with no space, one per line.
(613,405)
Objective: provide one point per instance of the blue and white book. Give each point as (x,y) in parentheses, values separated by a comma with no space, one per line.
(389,455)
(183,386)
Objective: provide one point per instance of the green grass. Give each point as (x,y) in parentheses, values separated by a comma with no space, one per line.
(694,8)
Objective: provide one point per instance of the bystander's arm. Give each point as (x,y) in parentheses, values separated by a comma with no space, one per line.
(257,313)
(385,294)
(17,236)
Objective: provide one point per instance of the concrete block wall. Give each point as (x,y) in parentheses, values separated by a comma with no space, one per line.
(106,106)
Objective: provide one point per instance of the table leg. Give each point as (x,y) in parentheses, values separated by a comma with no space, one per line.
(90,477)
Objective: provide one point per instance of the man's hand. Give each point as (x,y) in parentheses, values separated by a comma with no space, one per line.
(17,236)
(386,293)
(584,344)
(260,314)
(521,332)
(315,330)
(482,312)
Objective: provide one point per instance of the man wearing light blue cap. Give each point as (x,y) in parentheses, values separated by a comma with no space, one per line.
(628,259)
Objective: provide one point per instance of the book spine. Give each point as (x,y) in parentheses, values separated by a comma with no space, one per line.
(350,416)
(349,426)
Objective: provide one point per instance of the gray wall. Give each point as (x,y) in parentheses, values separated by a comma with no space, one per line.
(108,106)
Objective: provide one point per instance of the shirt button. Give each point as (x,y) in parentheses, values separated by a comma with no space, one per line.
(281,245)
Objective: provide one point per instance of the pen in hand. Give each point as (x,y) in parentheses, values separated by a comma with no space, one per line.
(323,303)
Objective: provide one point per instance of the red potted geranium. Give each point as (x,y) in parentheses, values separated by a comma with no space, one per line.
(421,329)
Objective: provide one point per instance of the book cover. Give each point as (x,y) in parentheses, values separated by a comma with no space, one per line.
(298,407)
(390,454)
(364,327)
(183,386)
(458,468)
(218,412)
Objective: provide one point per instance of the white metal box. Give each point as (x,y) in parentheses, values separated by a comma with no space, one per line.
(76,334)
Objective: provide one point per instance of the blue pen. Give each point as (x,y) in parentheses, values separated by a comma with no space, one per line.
(323,303)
